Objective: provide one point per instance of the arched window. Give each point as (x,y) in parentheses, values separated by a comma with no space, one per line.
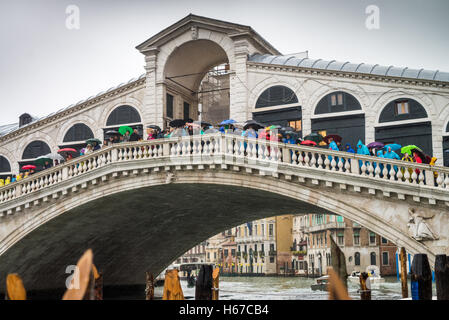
(390,130)
(373,258)
(357,258)
(4,165)
(337,101)
(78,132)
(276,96)
(35,149)
(402,109)
(123,115)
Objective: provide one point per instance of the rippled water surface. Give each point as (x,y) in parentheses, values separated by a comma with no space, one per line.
(290,288)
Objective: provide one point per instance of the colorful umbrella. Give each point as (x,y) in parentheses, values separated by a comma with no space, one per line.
(55,156)
(336,138)
(42,159)
(66,151)
(408,149)
(92,140)
(316,137)
(393,146)
(122,130)
(308,143)
(29,167)
(229,121)
(375,145)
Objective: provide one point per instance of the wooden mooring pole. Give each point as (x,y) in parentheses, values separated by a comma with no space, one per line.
(203,290)
(421,278)
(404,286)
(442,276)
(215,283)
(365,287)
(149,290)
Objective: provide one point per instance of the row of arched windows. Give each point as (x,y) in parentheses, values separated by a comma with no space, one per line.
(372,255)
(285,110)
(76,136)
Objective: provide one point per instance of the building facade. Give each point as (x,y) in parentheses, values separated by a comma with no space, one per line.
(356,100)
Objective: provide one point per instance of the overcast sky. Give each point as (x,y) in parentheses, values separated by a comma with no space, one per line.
(44,66)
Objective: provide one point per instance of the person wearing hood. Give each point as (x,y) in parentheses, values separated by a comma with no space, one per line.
(363,150)
(333,146)
(349,148)
(391,155)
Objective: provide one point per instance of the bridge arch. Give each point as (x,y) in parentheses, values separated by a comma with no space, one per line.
(257,192)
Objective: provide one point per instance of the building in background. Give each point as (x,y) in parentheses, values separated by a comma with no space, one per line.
(196,254)
(284,239)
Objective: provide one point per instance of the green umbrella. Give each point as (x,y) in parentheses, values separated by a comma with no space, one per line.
(92,140)
(408,149)
(122,130)
(42,159)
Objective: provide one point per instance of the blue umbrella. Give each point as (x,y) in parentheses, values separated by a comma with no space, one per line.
(229,121)
(393,146)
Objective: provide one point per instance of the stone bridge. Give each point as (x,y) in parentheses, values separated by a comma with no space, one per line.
(141,205)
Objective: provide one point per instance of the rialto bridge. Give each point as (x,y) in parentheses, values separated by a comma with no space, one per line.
(140,205)
(128,202)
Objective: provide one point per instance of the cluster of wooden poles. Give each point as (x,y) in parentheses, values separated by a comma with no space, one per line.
(420,277)
(90,281)
(90,284)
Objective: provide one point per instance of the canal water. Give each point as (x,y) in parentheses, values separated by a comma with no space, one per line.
(290,288)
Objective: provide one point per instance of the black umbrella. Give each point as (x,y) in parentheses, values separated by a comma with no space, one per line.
(153,126)
(206,124)
(177,123)
(316,137)
(254,124)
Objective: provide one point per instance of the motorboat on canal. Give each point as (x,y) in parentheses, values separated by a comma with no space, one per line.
(373,273)
(321,283)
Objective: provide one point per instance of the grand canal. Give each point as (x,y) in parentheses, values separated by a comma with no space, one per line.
(289,288)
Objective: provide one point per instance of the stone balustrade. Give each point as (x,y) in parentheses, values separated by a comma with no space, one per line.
(266,156)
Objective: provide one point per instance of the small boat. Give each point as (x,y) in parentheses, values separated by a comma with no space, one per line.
(373,273)
(321,283)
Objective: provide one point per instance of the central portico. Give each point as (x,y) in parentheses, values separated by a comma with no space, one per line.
(178,58)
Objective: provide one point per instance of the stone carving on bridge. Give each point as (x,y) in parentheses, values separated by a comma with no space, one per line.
(170,177)
(418,227)
(194,30)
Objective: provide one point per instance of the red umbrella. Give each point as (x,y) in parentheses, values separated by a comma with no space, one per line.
(309,143)
(29,167)
(65,151)
(336,138)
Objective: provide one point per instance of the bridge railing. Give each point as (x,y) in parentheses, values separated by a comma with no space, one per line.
(236,149)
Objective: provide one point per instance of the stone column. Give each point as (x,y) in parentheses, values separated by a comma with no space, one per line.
(153,108)
(238,83)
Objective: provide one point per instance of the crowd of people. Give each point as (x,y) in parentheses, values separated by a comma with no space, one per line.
(250,129)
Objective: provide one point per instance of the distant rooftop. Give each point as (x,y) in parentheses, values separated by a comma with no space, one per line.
(6,129)
(374,69)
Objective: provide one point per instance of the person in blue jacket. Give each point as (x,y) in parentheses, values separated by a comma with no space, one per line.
(363,150)
(391,155)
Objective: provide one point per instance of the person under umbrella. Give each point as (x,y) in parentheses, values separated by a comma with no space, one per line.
(390,154)
(135,136)
(417,159)
(68,153)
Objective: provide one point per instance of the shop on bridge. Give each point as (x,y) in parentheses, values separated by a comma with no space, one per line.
(405,121)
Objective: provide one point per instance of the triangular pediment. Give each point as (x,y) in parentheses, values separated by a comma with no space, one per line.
(183,25)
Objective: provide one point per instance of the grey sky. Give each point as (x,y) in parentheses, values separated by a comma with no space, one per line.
(44,66)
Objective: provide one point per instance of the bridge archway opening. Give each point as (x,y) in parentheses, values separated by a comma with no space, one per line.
(32,151)
(5,168)
(279,105)
(340,113)
(196,78)
(124,115)
(76,137)
(405,121)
